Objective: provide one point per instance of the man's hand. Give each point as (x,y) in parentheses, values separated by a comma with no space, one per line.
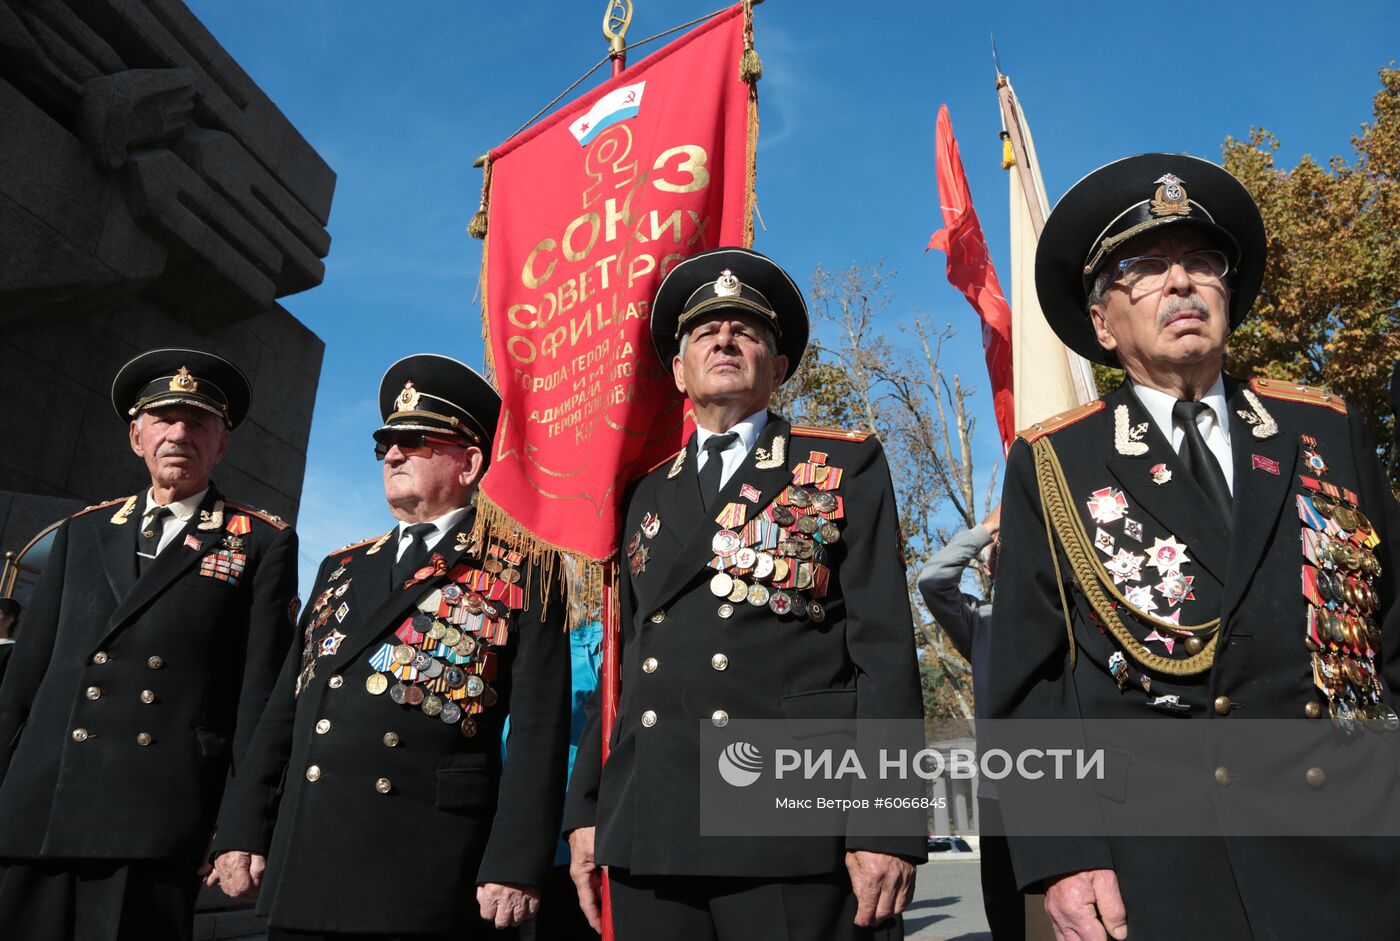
(1086,906)
(238,873)
(588,878)
(507,906)
(883,885)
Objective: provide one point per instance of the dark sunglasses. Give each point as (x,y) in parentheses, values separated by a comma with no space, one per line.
(412,444)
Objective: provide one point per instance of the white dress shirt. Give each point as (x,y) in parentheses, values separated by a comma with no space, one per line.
(749,429)
(443,525)
(180,513)
(1214,423)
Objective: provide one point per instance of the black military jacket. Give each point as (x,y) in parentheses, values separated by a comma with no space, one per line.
(842,649)
(1281,644)
(377,813)
(128,701)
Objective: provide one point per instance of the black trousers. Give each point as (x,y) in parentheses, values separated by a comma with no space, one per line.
(559,918)
(467,934)
(97,900)
(1003,902)
(709,908)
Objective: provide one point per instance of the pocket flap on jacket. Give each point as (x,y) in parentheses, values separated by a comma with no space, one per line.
(466,788)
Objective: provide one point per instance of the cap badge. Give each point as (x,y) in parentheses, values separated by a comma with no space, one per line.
(1171,197)
(182,381)
(727,285)
(408,398)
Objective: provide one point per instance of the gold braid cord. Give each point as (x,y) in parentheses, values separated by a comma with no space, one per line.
(1063,520)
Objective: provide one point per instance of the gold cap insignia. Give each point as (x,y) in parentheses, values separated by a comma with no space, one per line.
(727,285)
(408,398)
(182,381)
(1171,197)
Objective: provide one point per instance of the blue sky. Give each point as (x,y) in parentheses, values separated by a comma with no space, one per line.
(401,98)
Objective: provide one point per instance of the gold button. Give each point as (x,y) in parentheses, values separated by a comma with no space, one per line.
(80,735)
(1222,776)
(649,665)
(1223,705)
(648,718)
(336,681)
(1316,778)
(720,718)
(313,773)
(155,663)
(143,738)
(94,692)
(148,696)
(384,785)
(391,739)
(1313,710)
(658,616)
(100,657)
(719,661)
(323,726)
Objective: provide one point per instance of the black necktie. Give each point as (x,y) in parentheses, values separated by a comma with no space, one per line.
(148,540)
(1199,459)
(715,446)
(415,555)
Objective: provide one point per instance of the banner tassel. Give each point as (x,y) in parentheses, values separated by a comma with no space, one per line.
(477,227)
(750,65)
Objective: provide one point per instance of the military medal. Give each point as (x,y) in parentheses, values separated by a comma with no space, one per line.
(1140,597)
(721,584)
(1104,542)
(1167,555)
(739,591)
(1176,588)
(780,602)
(342,611)
(330,644)
(1107,505)
(725,542)
(1132,529)
(651,525)
(1167,640)
(1125,567)
(376,684)
(1161,474)
(1314,461)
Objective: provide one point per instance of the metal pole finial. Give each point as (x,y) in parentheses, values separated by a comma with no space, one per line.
(616,18)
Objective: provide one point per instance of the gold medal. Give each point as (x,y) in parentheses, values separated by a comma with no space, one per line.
(721,584)
(403,654)
(739,591)
(376,684)
(758,596)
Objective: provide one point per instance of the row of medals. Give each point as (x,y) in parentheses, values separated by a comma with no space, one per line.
(1343,637)
(456,688)
(805,546)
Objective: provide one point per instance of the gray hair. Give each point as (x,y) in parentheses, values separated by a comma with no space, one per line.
(770,340)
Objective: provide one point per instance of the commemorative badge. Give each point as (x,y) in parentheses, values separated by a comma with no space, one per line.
(1167,640)
(1167,555)
(1176,588)
(1161,474)
(1132,529)
(1107,505)
(651,525)
(1126,566)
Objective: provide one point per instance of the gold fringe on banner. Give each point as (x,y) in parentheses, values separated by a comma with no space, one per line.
(477,227)
(751,75)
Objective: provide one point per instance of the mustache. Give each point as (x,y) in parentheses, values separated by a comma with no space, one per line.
(1177,304)
(175,450)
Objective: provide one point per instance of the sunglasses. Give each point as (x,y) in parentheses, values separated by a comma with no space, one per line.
(412,444)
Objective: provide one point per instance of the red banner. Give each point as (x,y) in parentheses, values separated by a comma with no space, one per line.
(587,212)
(970,270)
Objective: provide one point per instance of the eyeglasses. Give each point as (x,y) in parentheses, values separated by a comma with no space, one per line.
(1149,272)
(412,444)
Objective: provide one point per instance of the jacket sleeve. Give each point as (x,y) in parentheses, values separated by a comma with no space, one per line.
(1028,669)
(33,648)
(525,829)
(940,581)
(1378,501)
(270,628)
(880,639)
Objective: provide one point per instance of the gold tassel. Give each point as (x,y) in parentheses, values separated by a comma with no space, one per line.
(1008,153)
(477,227)
(750,66)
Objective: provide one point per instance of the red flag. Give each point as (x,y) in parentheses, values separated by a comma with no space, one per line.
(970,270)
(588,211)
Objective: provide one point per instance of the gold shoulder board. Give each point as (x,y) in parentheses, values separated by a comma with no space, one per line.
(1054,423)
(272,519)
(831,434)
(1293,392)
(99,506)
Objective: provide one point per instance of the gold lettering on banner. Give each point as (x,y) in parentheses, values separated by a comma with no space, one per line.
(693,166)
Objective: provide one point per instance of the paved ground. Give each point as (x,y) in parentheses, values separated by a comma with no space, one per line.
(947,902)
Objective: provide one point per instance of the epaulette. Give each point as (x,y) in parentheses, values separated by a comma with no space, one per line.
(99,506)
(271,519)
(1040,429)
(831,434)
(364,542)
(1292,392)
(666,459)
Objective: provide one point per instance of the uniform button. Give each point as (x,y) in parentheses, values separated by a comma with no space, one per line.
(391,739)
(658,616)
(323,726)
(648,718)
(649,665)
(1316,778)
(1223,705)
(80,735)
(313,773)
(720,718)
(383,785)
(1222,776)
(143,738)
(155,663)
(94,692)
(100,657)
(719,661)
(1313,710)
(336,681)
(148,696)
